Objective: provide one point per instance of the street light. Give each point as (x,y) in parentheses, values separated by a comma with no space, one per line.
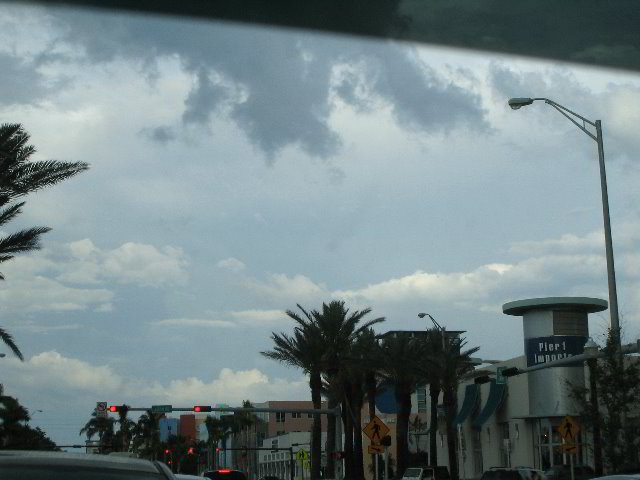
(437,325)
(515,104)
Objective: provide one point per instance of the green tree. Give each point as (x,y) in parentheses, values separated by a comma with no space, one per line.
(400,355)
(452,363)
(103,428)
(617,382)
(126,430)
(15,433)
(304,350)
(146,435)
(339,329)
(20,176)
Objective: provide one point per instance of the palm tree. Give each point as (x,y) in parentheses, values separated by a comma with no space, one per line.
(18,177)
(432,376)
(13,416)
(126,430)
(339,329)
(304,350)
(400,355)
(452,363)
(104,428)
(146,435)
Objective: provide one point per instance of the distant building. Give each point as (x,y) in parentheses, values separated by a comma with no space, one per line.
(168,427)
(279,463)
(188,427)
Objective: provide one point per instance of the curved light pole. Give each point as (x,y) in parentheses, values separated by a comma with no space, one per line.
(437,325)
(515,104)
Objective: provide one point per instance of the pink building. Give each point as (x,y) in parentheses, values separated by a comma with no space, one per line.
(279,423)
(188,426)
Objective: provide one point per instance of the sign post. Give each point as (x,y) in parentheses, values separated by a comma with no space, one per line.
(569,431)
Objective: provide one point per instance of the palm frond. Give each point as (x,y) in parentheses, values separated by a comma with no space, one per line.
(22,241)
(10,213)
(7,339)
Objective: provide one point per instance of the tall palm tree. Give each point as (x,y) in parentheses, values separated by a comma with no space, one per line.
(126,430)
(104,428)
(18,177)
(339,328)
(400,355)
(146,435)
(304,350)
(452,363)
(433,377)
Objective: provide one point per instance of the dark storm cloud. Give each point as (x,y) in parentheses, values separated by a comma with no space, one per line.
(20,82)
(276,86)
(162,134)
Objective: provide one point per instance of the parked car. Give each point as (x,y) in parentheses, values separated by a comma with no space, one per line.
(225,474)
(504,473)
(533,473)
(39,465)
(563,472)
(422,473)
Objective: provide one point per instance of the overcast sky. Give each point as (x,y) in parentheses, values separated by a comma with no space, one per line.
(236,172)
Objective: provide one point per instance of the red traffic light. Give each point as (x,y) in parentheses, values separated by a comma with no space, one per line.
(166,451)
(202,408)
(218,450)
(190,451)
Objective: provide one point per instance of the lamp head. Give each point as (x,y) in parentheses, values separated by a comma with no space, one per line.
(422,315)
(518,102)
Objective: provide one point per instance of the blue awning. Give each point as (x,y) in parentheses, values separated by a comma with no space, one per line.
(496,395)
(469,403)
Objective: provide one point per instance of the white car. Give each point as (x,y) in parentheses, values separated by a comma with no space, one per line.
(39,465)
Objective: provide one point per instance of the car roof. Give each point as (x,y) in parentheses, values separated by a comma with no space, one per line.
(489,26)
(45,458)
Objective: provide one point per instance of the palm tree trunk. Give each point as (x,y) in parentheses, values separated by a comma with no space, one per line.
(348,434)
(331,439)
(358,400)
(434,394)
(450,415)
(403,406)
(370,385)
(315,381)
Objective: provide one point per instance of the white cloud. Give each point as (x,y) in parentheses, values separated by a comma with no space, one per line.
(146,265)
(232,264)
(131,263)
(281,288)
(53,372)
(27,292)
(194,322)
(253,317)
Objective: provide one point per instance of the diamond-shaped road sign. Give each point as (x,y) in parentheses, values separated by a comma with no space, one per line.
(101,409)
(376,430)
(569,429)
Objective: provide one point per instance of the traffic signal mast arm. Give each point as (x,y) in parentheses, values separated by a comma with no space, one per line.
(203,408)
(512,371)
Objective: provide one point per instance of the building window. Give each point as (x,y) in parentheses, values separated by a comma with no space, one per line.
(296,415)
(422,399)
(279,417)
(310,415)
(505,448)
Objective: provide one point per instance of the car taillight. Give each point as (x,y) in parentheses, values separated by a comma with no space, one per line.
(224,471)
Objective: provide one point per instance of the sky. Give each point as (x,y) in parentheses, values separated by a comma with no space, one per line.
(239,171)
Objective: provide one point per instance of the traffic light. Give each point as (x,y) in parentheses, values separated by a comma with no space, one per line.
(218,450)
(190,451)
(118,408)
(510,372)
(482,379)
(201,408)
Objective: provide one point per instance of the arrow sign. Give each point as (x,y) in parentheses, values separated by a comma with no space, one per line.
(374,448)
